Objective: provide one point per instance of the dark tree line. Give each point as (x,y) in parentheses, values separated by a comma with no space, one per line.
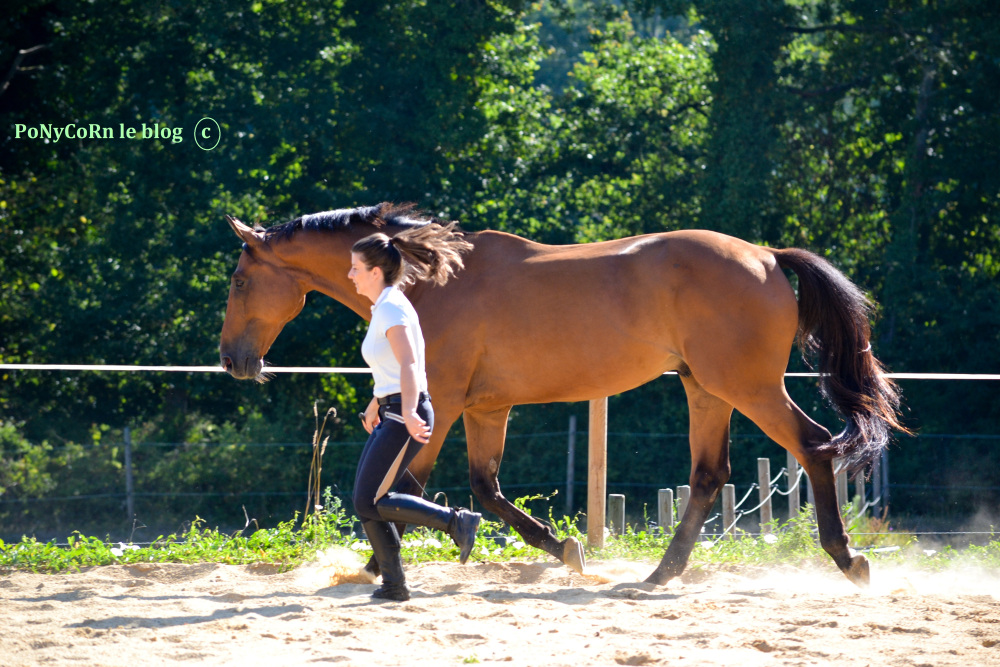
(863,130)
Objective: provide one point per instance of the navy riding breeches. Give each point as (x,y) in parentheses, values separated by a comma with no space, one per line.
(386,455)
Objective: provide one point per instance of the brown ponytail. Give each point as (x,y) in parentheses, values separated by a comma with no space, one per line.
(430,252)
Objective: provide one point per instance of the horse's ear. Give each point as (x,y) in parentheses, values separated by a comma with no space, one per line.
(246,234)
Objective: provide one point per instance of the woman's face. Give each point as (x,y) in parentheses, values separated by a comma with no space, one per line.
(368,281)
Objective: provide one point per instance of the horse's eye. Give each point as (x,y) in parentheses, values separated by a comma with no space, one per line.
(239,282)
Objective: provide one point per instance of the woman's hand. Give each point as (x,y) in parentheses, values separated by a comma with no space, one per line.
(417,428)
(370,418)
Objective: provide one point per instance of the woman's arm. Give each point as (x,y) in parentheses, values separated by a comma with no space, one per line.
(404,350)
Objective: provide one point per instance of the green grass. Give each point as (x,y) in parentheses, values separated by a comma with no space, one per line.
(289,544)
(293,543)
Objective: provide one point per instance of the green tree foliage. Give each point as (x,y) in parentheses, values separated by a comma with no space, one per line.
(863,130)
(616,152)
(903,98)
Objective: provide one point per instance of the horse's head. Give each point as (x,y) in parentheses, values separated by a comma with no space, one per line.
(264,296)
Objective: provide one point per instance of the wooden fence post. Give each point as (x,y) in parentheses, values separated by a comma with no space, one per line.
(616,514)
(665,506)
(598,472)
(877,488)
(129,482)
(859,492)
(841,479)
(570,465)
(792,473)
(683,496)
(886,496)
(729,510)
(764,486)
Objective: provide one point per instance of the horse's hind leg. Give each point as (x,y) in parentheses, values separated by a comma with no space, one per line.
(485,432)
(709,417)
(832,533)
(785,423)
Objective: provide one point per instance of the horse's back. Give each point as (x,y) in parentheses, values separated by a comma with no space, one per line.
(650,279)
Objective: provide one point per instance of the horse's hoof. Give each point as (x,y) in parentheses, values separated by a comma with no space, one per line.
(573,554)
(658,578)
(859,571)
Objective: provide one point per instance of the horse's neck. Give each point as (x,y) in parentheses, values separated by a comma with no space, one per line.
(322,261)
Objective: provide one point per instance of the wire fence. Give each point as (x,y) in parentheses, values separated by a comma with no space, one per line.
(176,497)
(755,518)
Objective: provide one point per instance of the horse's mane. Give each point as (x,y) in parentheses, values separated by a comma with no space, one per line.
(380,215)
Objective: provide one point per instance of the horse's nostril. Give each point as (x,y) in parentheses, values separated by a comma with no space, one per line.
(227,364)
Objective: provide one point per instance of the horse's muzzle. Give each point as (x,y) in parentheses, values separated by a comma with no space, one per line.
(243,368)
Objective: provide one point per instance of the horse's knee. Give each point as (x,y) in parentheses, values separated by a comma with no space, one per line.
(708,481)
(486,489)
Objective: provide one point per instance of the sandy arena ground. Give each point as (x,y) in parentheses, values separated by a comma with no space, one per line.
(515,613)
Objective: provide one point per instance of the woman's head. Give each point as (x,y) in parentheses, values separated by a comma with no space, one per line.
(430,252)
(379,251)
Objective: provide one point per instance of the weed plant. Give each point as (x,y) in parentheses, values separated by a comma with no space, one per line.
(294,542)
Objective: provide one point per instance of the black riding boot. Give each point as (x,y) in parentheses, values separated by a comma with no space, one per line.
(385,546)
(459,524)
(372,565)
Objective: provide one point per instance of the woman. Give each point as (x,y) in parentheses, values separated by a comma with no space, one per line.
(400,417)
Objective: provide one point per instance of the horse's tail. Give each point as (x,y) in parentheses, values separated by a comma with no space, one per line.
(835,331)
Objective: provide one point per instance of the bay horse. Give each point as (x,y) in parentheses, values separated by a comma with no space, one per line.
(531,323)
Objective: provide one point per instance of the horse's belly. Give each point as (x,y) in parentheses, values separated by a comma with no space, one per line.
(572,368)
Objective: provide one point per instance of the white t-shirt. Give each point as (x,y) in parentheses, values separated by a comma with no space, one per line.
(392,309)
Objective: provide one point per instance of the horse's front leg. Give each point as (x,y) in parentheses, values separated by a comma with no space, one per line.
(709,417)
(485,432)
